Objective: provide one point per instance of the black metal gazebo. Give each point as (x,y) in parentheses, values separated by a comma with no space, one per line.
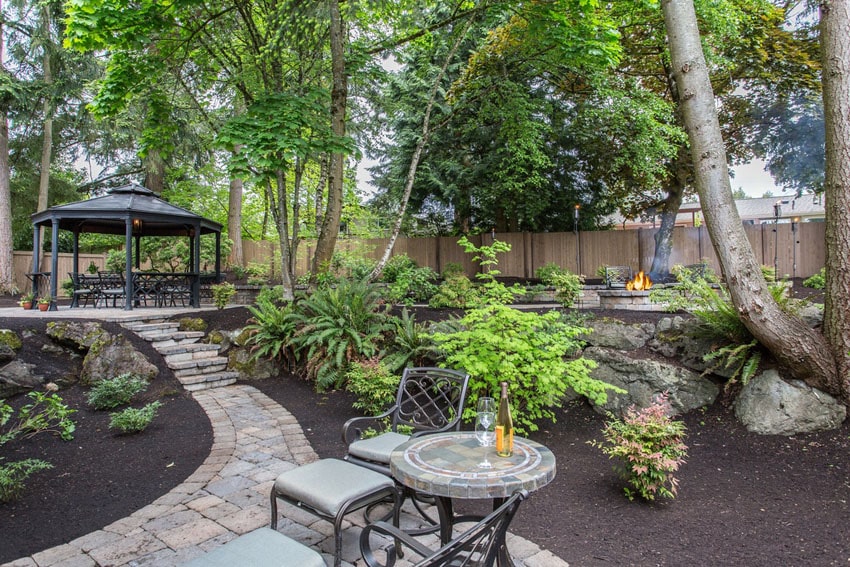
(133,211)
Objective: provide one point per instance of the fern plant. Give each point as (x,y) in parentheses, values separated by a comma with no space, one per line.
(709,301)
(338,325)
(411,344)
(271,329)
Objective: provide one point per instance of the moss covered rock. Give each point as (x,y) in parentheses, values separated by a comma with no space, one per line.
(192,324)
(10,339)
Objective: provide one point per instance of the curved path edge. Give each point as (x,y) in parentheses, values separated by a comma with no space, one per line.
(254,440)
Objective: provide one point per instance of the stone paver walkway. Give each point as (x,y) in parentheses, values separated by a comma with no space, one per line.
(255,439)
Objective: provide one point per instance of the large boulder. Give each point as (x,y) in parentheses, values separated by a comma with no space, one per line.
(81,335)
(616,334)
(7,353)
(680,339)
(250,367)
(644,379)
(113,356)
(17,377)
(770,405)
(10,339)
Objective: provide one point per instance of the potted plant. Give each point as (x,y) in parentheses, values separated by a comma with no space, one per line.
(26,300)
(44,303)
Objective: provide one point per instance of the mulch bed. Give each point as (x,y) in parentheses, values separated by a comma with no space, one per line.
(743,499)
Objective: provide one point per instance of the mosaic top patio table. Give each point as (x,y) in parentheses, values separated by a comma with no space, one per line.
(445,465)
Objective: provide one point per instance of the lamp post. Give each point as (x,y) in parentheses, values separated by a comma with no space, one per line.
(794,222)
(578,242)
(777,212)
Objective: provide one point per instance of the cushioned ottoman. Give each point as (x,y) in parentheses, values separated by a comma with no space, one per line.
(261,548)
(330,489)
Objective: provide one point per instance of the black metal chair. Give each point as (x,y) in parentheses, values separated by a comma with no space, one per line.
(617,276)
(429,400)
(480,545)
(111,286)
(86,286)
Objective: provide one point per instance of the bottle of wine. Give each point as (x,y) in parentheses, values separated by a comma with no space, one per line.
(504,426)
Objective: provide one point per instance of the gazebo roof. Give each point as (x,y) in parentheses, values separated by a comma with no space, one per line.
(109,214)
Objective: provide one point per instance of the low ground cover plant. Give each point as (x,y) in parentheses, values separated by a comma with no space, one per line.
(116,391)
(134,420)
(47,413)
(374,385)
(816,281)
(649,446)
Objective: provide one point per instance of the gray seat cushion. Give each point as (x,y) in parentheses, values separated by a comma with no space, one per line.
(377,449)
(327,484)
(263,547)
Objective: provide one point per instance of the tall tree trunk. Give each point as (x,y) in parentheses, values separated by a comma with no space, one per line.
(234,222)
(7,283)
(320,189)
(281,217)
(835,57)
(417,155)
(803,351)
(47,141)
(154,171)
(339,94)
(660,269)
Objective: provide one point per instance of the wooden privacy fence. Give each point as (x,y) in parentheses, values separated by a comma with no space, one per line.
(22,262)
(799,249)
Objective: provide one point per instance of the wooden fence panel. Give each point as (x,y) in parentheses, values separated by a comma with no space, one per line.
(608,248)
(22,264)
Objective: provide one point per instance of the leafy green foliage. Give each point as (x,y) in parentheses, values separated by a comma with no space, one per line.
(271,329)
(529,351)
(13,475)
(411,344)
(816,281)
(222,293)
(567,285)
(374,385)
(455,292)
(134,420)
(650,446)
(547,271)
(413,285)
(46,414)
(337,326)
(710,303)
(116,391)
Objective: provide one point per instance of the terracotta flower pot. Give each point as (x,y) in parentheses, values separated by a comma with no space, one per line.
(43,306)
(27,305)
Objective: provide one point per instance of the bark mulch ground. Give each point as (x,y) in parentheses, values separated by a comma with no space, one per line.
(743,499)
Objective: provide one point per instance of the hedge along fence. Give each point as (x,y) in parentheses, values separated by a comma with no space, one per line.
(801,245)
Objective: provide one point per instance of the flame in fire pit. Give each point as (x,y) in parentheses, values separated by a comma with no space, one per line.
(641,282)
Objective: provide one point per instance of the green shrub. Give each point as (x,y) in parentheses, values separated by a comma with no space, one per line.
(456,292)
(339,325)
(222,293)
(816,281)
(134,420)
(395,266)
(13,475)
(374,385)
(546,272)
(769,273)
(567,287)
(273,294)
(411,344)
(239,272)
(271,329)
(117,391)
(257,270)
(650,446)
(416,284)
(529,351)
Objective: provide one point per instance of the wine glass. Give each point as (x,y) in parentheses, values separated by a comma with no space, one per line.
(485,420)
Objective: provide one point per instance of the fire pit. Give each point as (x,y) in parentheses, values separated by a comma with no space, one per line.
(635,297)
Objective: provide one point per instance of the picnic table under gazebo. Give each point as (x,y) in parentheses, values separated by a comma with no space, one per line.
(135,212)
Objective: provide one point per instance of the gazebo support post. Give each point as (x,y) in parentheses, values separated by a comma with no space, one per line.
(54,263)
(76,263)
(196,265)
(217,257)
(36,257)
(128,265)
(138,240)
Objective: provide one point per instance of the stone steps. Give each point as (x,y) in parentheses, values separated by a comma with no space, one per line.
(196,365)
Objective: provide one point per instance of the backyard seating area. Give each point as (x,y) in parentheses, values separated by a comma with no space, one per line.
(150,289)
